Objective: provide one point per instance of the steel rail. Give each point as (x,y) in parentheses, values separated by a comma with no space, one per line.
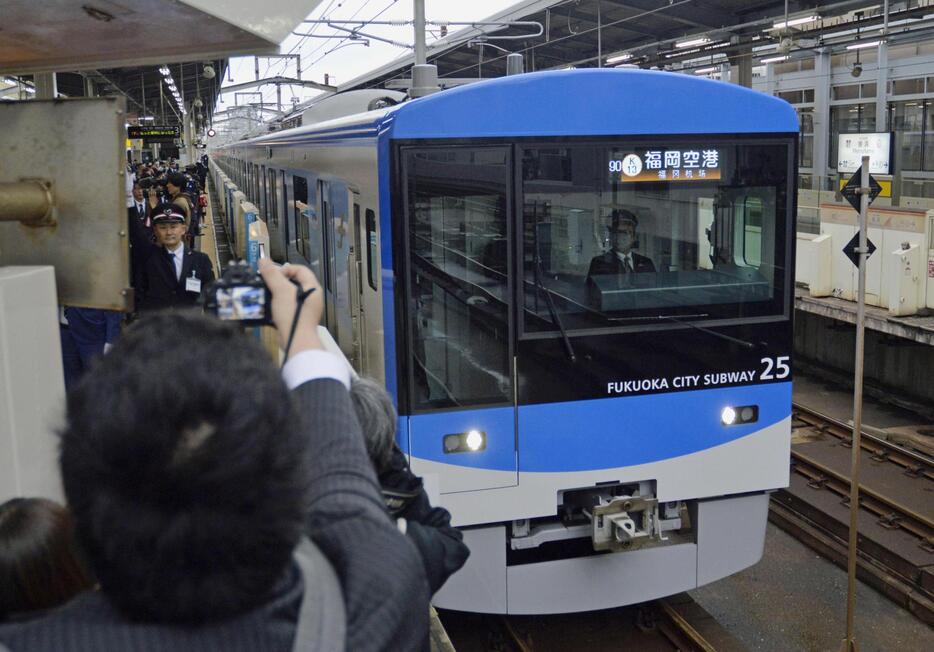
(916,463)
(696,642)
(895,513)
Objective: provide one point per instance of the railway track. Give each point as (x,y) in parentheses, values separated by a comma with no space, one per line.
(896,527)
(675,623)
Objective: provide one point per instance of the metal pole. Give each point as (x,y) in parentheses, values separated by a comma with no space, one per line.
(599,36)
(420,57)
(849,644)
(29,202)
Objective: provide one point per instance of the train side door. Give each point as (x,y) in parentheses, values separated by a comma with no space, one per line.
(355,268)
(284,196)
(321,243)
(273,221)
(339,238)
(459,347)
(302,208)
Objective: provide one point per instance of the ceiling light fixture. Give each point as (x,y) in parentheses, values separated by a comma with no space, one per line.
(801,20)
(704,71)
(860,46)
(694,42)
(616,58)
(783,57)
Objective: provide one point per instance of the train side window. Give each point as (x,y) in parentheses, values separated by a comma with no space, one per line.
(457,208)
(752,231)
(272,202)
(372,249)
(300,213)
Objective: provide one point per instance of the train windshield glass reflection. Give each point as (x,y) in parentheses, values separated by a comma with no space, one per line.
(617,235)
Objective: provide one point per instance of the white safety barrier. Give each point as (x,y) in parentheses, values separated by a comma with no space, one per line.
(899,275)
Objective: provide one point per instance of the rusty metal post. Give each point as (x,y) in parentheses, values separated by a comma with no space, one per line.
(28,201)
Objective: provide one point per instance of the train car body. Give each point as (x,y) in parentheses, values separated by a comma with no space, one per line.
(602,437)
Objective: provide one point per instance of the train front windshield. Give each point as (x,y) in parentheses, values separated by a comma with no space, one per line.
(511,243)
(615,235)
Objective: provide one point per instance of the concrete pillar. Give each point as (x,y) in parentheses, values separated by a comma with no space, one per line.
(822,114)
(741,69)
(46,87)
(771,81)
(882,82)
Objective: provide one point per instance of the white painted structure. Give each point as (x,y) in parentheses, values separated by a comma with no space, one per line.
(32,387)
(899,275)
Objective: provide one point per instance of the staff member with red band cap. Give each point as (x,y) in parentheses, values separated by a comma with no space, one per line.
(174,275)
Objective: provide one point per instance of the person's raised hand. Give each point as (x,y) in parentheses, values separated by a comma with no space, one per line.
(281,282)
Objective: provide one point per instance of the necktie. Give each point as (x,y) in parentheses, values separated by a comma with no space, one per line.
(171,256)
(627,264)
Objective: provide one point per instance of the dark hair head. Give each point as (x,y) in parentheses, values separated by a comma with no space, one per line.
(622,215)
(39,564)
(177,179)
(184,470)
(377,417)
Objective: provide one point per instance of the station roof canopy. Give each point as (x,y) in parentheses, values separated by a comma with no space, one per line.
(120,47)
(669,35)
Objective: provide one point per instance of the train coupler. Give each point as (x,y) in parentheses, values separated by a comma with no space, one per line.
(628,522)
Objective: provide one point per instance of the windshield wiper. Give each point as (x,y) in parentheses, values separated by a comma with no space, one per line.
(551,304)
(742,343)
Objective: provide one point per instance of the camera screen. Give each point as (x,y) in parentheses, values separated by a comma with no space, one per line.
(241,303)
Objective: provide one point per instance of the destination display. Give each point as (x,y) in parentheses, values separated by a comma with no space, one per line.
(154,133)
(653,165)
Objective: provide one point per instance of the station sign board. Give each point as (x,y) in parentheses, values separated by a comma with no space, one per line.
(154,133)
(851,148)
(664,164)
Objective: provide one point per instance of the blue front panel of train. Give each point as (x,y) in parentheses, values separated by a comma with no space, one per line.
(603,433)
(427,431)
(614,432)
(595,102)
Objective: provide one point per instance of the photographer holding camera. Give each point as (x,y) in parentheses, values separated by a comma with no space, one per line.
(194,474)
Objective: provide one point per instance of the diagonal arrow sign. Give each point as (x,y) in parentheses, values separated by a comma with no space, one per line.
(851,190)
(851,249)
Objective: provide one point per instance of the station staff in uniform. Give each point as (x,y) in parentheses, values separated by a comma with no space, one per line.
(174,276)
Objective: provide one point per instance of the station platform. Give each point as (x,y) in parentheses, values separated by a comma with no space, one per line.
(916,328)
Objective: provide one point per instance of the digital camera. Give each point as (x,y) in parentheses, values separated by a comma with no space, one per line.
(240,295)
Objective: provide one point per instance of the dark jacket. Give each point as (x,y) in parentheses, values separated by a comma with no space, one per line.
(385,593)
(441,546)
(141,245)
(610,264)
(159,288)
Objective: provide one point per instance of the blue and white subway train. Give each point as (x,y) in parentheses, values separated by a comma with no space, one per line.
(603,432)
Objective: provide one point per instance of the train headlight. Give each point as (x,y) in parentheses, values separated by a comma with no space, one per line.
(474,440)
(728,416)
(731,416)
(465,442)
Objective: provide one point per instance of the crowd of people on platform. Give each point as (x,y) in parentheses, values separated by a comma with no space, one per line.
(165,208)
(215,502)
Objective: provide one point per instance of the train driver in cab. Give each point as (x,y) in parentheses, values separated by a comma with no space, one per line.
(620,260)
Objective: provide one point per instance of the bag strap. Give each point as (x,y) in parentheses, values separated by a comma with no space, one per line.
(322,621)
